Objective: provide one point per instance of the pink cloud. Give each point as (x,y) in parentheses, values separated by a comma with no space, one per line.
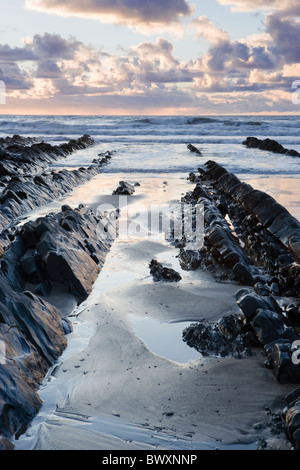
(251,5)
(129,12)
(206,29)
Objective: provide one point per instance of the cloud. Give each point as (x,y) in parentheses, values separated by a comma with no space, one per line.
(284,34)
(74,68)
(11,54)
(34,67)
(252,5)
(155,63)
(51,46)
(206,29)
(64,72)
(133,13)
(14,77)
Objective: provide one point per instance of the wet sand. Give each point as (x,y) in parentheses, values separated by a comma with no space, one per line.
(111,390)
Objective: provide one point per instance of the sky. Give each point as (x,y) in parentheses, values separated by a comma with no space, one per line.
(149,57)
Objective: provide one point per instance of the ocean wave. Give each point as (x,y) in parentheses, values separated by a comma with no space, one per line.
(202,120)
(143,121)
(141,128)
(254,123)
(126,170)
(238,123)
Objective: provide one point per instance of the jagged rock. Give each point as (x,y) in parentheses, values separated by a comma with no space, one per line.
(193,177)
(280,358)
(291,416)
(268,326)
(161,273)
(124,189)
(243,274)
(269,232)
(261,289)
(189,260)
(292,397)
(273,331)
(251,239)
(50,251)
(34,338)
(194,149)
(26,156)
(250,302)
(293,312)
(46,255)
(24,194)
(270,145)
(228,337)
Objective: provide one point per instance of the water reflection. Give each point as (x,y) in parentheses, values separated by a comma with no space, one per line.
(164,339)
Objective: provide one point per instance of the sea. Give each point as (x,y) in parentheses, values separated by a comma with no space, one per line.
(159,143)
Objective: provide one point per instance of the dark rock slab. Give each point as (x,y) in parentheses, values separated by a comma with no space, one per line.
(25,156)
(230,336)
(34,337)
(194,149)
(255,241)
(66,251)
(274,331)
(162,273)
(243,274)
(67,248)
(269,230)
(250,302)
(280,358)
(269,145)
(22,195)
(124,188)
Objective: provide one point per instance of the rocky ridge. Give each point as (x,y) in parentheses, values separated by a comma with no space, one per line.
(63,251)
(269,145)
(23,193)
(253,241)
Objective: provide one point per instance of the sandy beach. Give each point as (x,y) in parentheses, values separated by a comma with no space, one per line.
(114,389)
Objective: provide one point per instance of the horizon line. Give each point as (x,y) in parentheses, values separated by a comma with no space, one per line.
(152,114)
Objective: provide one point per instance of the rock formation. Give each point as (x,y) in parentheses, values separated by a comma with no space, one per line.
(253,241)
(162,273)
(194,149)
(269,145)
(64,251)
(124,188)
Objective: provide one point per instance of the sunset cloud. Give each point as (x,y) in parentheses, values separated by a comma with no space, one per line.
(133,13)
(284,34)
(231,74)
(206,29)
(251,5)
